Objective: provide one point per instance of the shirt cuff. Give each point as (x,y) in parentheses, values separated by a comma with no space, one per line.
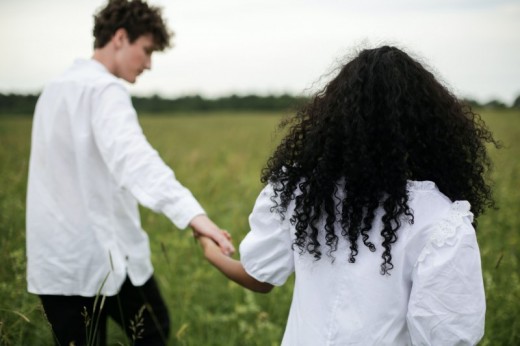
(181,215)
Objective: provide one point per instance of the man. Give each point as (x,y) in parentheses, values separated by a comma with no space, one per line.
(90,164)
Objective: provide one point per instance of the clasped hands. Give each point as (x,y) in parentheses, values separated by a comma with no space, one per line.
(217,247)
(204,228)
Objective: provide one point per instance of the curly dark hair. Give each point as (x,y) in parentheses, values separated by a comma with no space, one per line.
(136,17)
(383,120)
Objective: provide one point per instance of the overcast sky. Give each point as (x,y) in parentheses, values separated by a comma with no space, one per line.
(275,46)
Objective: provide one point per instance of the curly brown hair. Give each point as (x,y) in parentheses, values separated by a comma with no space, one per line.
(136,17)
(383,120)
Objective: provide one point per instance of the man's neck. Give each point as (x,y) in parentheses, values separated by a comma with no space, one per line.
(105,56)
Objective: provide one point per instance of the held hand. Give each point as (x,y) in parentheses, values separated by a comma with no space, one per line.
(208,246)
(230,267)
(203,226)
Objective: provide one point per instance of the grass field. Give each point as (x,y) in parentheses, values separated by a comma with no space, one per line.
(219,158)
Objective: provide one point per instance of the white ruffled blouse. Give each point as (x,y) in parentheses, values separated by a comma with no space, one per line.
(434,295)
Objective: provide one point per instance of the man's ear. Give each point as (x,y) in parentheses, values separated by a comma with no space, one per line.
(120,37)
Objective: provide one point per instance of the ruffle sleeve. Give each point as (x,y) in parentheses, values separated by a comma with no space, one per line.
(447,302)
(266,252)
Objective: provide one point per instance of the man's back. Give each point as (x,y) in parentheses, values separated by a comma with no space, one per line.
(75,209)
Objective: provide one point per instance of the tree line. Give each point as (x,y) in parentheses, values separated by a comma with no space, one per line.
(19,104)
(16,104)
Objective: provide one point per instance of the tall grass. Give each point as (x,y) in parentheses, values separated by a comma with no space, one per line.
(499,235)
(219,158)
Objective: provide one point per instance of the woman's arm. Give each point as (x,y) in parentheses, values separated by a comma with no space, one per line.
(447,304)
(231,268)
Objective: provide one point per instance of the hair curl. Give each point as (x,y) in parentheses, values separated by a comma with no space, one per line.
(383,120)
(136,17)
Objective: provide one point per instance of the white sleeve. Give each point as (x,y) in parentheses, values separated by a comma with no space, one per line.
(447,303)
(133,162)
(266,252)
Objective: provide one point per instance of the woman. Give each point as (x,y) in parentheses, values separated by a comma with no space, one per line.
(367,200)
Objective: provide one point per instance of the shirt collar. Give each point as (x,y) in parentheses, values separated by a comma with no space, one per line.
(91,63)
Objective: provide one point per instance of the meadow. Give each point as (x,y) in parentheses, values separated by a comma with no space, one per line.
(219,158)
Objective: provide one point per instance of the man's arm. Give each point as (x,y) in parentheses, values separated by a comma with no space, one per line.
(231,268)
(138,167)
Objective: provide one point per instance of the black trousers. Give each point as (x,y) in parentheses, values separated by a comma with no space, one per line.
(140,311)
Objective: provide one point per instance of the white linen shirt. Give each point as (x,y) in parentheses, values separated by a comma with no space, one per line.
(434,295)
(90,164)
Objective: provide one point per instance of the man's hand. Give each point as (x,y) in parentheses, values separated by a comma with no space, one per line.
(203,226)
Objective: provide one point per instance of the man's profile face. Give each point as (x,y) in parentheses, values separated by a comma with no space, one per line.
(133,58)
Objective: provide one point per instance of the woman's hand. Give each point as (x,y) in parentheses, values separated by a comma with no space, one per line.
(230,267)
(208,246)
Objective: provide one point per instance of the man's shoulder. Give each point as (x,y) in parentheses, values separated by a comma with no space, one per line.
(87,73)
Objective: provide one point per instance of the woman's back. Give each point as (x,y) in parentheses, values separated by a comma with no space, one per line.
(433,295)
